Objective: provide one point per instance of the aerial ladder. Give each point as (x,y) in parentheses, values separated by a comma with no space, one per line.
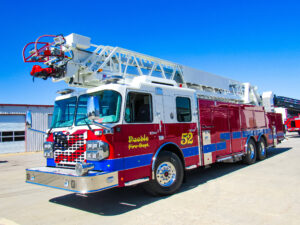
(78,62)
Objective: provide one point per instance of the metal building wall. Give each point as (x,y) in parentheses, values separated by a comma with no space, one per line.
(40,122)
(34,140)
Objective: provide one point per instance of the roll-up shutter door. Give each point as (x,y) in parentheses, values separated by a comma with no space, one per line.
(12,133)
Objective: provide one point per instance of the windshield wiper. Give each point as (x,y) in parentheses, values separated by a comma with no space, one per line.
(88,125)
(84,119)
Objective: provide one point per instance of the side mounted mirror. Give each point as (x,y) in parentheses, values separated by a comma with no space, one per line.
(93,108)
(28,119)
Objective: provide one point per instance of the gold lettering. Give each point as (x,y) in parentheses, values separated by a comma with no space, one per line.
(138,142)
(130,138)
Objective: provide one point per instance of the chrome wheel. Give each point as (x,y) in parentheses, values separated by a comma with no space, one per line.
(251,153)
(262,148)
(166,174)
(251,150)
(169,174)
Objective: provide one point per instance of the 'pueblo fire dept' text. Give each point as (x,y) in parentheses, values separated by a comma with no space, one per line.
(138,142)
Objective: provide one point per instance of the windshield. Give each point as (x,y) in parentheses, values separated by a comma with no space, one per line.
(110,105)
(64,111)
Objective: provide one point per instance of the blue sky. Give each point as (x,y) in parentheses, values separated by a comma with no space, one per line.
(249,41)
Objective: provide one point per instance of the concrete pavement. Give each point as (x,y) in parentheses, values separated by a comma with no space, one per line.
(267,192)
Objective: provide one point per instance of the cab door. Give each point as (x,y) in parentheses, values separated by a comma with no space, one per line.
(139,127)
(186,129)
(136,138)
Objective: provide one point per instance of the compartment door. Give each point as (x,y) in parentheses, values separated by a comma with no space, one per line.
(235,129)
(221,131)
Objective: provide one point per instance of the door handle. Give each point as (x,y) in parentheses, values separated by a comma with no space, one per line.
(192,130)
(152,132)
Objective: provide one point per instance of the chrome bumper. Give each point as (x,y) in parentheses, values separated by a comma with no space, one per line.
(66,179)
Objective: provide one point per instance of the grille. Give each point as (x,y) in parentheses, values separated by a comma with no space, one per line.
(75,151)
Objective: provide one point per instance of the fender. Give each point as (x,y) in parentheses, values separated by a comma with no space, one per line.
(158,151)
(259,137)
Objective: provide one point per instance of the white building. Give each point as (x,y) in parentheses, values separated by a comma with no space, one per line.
(14,137)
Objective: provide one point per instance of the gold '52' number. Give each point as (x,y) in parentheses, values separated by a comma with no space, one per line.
(186,138)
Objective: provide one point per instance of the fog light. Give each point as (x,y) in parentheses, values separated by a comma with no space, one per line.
(48,149)
(82,169)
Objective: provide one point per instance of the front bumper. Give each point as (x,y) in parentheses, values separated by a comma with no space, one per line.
(66,179)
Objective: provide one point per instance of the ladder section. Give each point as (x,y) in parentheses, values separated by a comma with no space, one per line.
(78,62)
(213,87)
(106,64)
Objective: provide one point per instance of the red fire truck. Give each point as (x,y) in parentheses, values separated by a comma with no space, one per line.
(293,124)
(141,119)
(290,110)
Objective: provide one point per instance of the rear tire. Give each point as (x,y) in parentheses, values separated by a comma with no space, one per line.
(299,132)
(168,175)
(250,156)
(262,149)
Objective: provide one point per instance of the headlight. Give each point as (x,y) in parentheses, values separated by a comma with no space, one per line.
(96,150)
(48,149)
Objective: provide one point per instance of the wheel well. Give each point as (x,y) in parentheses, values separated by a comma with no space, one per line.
(173,148)
(262,137)
(170,148)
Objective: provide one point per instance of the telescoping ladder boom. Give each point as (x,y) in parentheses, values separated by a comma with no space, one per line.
(76,61)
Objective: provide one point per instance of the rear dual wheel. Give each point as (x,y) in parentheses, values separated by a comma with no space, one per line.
(261,149)
(250,156)
(255,152)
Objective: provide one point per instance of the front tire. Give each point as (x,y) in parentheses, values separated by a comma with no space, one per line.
(168,175)
(262,150)
(250,156)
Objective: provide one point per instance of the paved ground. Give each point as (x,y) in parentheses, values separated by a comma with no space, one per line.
(267,192)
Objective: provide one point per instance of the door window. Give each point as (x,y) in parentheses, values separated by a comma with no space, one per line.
(138,108)
(183,109)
